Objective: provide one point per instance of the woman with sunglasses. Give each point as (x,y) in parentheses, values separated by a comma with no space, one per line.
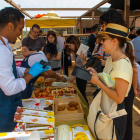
(107,101)
(73,43)
(113,16)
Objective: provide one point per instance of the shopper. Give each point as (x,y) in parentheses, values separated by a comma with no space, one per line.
(136,43)
(92,38)
(99,50)
(73,44)
(55,61)
(113,16)
(11,26)
(49,51)
(111,100)
(132,33)
(33,43)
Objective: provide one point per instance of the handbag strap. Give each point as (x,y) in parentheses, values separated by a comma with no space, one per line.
(103,55)
(3,41)
(98,113)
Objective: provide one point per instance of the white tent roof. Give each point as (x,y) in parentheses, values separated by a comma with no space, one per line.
(55,4)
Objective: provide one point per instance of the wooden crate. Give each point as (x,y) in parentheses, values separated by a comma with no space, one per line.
(67,115)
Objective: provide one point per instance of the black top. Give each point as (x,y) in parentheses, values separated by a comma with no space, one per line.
(132,36)
(34,44)
(91,42)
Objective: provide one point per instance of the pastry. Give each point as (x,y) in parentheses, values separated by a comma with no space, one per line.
(72,108)
(63,132)
(73,104)
(48,108)
(61,107)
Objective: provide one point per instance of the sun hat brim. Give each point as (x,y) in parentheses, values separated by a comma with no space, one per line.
(102,32)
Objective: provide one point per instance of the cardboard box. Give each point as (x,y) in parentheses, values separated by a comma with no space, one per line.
(34,119)
(28,135)
(84,129)
(44,113)
(67,115)
(37,104)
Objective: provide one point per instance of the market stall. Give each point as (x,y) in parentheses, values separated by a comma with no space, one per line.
(51,20)
(56,111)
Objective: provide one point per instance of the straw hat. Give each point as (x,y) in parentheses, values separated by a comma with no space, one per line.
(116,30)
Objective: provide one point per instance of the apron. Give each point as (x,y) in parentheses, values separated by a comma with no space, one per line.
(8,106)
(27,93)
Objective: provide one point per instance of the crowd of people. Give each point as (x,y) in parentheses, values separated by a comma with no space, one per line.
(118,53)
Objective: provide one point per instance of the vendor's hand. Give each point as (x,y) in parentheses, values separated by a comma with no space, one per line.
(36,69)
(102,62)
(137,93)
(91,70)
(94,79)
(82,56)
(63,79)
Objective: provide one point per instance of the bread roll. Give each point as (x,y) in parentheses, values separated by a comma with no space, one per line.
(63,132)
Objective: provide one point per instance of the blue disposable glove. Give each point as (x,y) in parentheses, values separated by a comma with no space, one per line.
(36,69)
(47,68)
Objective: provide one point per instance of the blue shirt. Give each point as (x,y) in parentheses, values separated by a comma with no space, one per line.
(136,43)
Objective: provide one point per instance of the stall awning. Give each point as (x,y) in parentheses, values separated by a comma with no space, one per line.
(51,23)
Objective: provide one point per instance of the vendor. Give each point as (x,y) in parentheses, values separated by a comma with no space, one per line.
(11,26)
(73,44)
(50,51)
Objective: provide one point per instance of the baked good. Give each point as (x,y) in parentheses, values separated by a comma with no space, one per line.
(48,108)
(72,108)
(63,132)
(61,107)
(73,104)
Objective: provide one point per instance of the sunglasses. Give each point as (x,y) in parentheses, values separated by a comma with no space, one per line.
(104,38)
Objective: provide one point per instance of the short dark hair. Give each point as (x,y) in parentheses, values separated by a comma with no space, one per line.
(138,32)
(10,14)
(36,26)
(112,16)
(132,28)
(94,28)
(50,48)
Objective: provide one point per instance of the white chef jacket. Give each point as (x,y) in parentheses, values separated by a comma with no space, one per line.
(8,83)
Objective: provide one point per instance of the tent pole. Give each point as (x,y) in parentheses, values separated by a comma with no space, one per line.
(63,61)
(26,31)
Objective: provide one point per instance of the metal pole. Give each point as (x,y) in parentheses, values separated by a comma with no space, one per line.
(26,31)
